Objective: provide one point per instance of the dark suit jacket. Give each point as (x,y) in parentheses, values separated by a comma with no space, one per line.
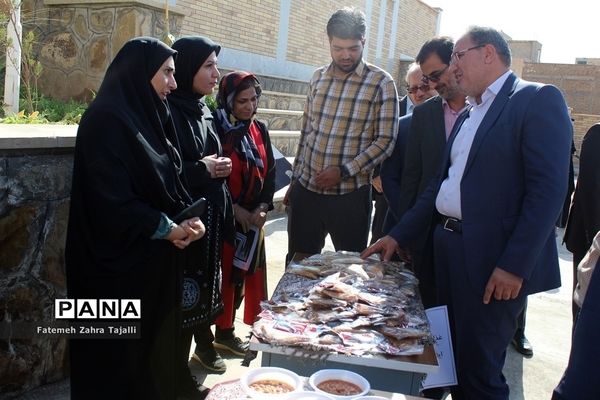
(402,104)
(391,173)
(425,143)
(584,216)
(512,189)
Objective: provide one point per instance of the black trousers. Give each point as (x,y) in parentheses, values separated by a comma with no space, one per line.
(311,216)
(521,322)
(381,208)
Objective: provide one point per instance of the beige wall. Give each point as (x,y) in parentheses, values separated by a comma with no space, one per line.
(579,83)
(528,50)
(417,24)
(252,37)
(307,36)
(241,24)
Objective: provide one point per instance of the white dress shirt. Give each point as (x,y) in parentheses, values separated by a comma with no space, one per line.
(409,105)
(447,201)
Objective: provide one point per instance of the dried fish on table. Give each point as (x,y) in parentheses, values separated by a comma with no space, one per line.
(338,302)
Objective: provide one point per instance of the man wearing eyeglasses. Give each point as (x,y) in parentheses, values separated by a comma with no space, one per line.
(500,190)
(417,90)
(417,93)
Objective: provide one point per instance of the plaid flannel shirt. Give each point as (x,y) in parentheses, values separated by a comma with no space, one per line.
(351,122)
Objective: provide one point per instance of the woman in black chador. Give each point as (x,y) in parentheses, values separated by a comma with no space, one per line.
(204,172)
(121,241)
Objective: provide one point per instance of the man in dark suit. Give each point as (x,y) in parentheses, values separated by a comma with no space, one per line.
(391,173)
(584,216)
(418,91)
(500,190)
(431,125)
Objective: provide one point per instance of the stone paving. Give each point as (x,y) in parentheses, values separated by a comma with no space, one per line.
(548,329)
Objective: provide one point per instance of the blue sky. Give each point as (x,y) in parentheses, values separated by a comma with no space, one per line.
(566,29)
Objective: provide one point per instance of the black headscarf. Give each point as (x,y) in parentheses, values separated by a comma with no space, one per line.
(126,85)
(194,50)
(124,174)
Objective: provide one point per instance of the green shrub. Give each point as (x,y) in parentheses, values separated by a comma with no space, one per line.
(53,110)
(22,118)
(50,111)
(211,102)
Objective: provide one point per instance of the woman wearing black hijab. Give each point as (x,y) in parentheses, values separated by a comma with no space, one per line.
(121,243)
(204,171)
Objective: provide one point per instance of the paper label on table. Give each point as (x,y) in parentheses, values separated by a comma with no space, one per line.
(440,330)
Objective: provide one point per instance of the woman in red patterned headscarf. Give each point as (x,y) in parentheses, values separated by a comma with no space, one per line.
(252,185)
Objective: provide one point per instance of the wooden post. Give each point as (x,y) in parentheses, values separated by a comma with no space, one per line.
(12,78)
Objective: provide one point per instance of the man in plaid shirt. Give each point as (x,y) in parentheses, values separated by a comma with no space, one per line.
(349,126)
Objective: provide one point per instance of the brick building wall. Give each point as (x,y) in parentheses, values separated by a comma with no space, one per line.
(418,24)
(579,83)
(242,24)
(588,61)
(287,38)
(307,37)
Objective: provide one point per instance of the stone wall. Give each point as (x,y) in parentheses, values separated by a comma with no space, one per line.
(34,199)
(77,40)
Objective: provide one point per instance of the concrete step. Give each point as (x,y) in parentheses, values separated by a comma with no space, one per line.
(279,84)
(285,141)
(286,120)
(282,101)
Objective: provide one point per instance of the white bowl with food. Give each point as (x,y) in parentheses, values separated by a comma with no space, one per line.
(307,395)
(339,383)
(270,383)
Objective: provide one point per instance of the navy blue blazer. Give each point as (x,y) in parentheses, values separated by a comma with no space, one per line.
(391,173)
(512,189)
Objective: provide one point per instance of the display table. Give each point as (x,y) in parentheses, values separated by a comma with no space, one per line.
(400,374)
(232,390)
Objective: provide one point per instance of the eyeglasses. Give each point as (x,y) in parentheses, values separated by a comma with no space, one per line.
(415,89)
(434,76)
(456,56)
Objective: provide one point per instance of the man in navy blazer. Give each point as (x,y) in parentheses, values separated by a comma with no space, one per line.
(500,190)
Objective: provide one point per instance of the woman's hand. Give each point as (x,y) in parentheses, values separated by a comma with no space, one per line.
(218,167)
(259,218)
(243,217)
(259,215)
(186,232)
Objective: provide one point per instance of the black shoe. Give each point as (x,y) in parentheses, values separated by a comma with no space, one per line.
(522,345)
(189,389)
(234,345)
(210,360)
